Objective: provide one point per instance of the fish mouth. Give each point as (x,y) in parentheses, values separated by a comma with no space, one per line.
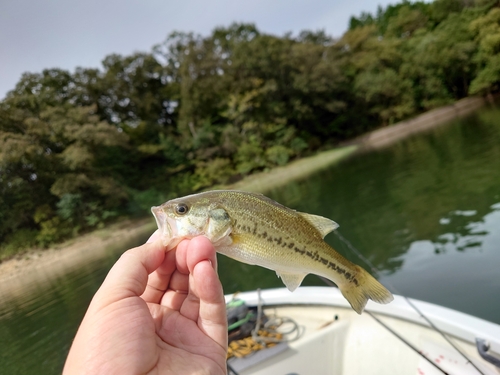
(167,227)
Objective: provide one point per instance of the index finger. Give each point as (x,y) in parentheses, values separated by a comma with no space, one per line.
(159,280)
(212,317)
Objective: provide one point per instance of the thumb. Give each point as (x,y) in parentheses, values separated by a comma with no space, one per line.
(129,275)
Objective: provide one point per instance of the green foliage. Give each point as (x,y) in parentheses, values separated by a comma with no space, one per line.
(213,172)
(77,149)
(70,206)
(441,9)
(278,155)
(399,19)
(17,242)
(51,230)
(249,156)
(52,227)
(488,79)
(487,31)
(388,95)
(363,20)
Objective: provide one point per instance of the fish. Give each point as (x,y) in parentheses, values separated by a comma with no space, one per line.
(254,229)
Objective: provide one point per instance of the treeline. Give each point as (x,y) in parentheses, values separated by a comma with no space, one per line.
(77,149)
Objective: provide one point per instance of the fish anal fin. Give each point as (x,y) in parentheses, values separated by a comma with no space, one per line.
(322,224)
(291,280)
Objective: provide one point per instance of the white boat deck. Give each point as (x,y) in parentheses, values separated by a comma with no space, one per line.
(336,340)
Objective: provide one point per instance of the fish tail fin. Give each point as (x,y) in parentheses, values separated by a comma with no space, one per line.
(367,287)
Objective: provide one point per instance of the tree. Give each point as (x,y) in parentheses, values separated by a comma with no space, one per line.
(388,95)
(440,62)
(487,31)
(61,152)
(406,22)
(441,9)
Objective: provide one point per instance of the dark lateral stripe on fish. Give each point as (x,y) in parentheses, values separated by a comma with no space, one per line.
(291,245)
(329,264)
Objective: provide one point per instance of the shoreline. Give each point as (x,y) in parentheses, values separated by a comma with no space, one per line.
(26,270)
(389,135)
(21,270)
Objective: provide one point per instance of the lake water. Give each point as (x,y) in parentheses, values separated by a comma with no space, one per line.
(424,212)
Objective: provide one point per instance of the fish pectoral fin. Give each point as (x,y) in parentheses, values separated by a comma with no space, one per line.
(322,224)
(291,280)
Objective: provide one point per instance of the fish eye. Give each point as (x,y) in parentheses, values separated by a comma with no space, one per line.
(181,209)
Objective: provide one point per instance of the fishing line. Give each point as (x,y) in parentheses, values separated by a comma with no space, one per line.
(269,324)
(413,306)
(274,321)
(331,283)
(406,342)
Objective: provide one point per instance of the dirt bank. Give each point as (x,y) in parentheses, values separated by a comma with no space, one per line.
(25,270)
(388,135)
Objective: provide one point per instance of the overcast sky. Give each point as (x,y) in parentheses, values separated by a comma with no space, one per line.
(39,34)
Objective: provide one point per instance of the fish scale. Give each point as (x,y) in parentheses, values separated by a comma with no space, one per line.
(254,229)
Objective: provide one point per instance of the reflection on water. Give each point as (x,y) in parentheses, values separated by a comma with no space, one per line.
(472,233)
(459,269)
(425,212)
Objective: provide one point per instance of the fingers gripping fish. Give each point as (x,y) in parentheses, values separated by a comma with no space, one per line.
(254,229)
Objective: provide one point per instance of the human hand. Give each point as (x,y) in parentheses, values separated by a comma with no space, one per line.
(156,312)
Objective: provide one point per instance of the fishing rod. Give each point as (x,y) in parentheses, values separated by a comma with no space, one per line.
(376,271)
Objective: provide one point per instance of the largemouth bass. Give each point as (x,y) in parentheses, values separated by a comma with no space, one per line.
(254,229)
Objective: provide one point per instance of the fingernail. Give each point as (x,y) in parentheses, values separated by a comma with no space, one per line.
(154,236)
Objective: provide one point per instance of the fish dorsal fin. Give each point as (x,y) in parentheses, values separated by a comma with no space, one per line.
(322,224)
(291,280)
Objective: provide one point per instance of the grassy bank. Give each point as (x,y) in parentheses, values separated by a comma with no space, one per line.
(298,169)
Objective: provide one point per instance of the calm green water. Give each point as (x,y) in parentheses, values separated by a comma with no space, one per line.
(425,212)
